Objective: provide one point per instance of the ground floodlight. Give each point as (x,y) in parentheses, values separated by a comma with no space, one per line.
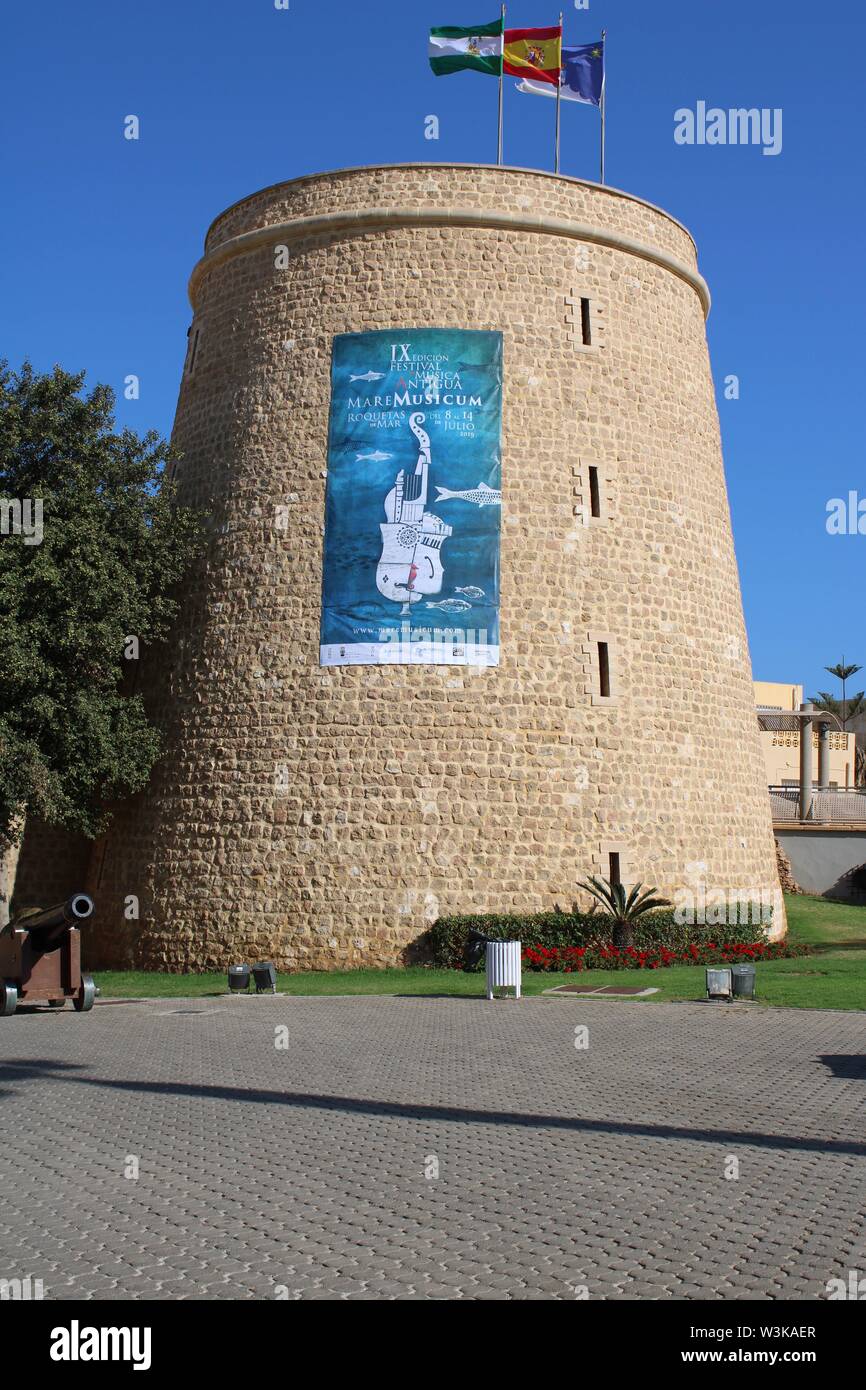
(265,976)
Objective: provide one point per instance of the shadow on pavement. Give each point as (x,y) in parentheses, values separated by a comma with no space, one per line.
(849,1066)
(449,1114)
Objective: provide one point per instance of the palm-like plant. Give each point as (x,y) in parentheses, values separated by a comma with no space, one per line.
(843,709)
(626,909)
(847,707)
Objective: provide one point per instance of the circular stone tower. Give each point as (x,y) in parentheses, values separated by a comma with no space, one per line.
(324,816)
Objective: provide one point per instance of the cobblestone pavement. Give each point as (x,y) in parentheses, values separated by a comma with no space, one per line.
(299,1172)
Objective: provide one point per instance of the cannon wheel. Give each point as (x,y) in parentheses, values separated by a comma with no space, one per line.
(83,1000)
(8,998)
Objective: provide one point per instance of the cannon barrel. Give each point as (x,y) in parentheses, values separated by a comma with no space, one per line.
(49,922)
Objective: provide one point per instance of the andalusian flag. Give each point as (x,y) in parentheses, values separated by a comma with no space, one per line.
(535,53)
(480,48)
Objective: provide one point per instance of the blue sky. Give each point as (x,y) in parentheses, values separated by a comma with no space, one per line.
(99,233)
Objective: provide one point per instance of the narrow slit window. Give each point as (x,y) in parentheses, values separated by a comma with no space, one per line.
(585,323)
(594,493)
(192,352)
(603,669)
(614,874)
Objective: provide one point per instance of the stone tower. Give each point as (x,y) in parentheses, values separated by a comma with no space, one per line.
(323,817)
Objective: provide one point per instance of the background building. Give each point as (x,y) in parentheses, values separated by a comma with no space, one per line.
(782,746)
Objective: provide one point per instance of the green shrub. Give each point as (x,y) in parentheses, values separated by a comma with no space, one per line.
(446,940)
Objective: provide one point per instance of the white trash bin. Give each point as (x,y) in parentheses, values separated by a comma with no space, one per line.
(503,966)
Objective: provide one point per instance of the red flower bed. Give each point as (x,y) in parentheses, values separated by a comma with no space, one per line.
(571,958)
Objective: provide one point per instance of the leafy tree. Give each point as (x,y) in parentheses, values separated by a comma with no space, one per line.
(112,549)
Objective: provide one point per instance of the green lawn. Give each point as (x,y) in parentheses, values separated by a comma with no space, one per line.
(832,978)
(825,924)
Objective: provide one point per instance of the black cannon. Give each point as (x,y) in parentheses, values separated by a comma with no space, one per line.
(40,957)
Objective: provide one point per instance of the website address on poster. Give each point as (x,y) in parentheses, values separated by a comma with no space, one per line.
(408,654)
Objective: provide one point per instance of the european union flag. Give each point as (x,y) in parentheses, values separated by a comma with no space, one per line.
(583,73)
(581,78)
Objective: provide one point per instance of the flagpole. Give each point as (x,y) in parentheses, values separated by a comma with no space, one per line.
(501,77)
(603,94)
(558,97)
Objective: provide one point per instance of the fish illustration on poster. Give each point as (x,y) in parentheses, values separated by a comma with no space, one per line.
(412,510)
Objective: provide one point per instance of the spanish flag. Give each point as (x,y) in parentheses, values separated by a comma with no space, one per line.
(535,53)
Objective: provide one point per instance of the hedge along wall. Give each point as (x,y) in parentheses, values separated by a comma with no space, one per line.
(446,940)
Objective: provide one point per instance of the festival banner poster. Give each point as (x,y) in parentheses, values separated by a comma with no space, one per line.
(412,512)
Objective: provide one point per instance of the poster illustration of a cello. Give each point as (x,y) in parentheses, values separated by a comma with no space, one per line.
(412,513)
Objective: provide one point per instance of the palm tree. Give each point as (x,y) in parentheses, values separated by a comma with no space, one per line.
(626,911)
(843,709)
(846,709)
